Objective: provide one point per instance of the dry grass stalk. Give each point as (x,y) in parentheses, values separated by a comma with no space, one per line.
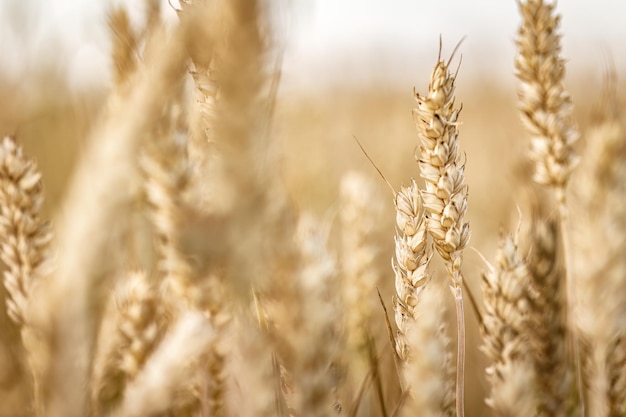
(26,238)
(360,209)
(546,330)
(429,374)
(511,372)
(445,196)
(126,342)
(410,264)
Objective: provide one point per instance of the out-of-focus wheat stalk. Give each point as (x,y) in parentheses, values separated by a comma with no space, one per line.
(96,198)
(505,319)
(445,196)
(429,371)
(599,221)
(546,316)
(317,371)
(128,335)
(545,105)
(360,209)
(156,387)
(124,45)
(166,171)
(546,109)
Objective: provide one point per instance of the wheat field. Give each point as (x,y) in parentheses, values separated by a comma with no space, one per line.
(191,241)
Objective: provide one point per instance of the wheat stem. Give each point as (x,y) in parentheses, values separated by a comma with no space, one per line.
(460,358)
(445,196)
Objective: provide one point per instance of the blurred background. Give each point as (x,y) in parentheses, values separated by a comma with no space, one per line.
(325,40)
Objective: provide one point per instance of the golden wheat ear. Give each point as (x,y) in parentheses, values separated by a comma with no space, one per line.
(546,113)
(445,195)
(545,106)
(129,333)
(511,372)
(26,236)
(25,247)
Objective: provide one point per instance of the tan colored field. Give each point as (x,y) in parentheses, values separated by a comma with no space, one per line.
(216,250)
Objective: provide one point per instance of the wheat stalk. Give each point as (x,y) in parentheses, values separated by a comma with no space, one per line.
(445,196)
(26,238)
(97,195)
(317,371)
(429,374)
(546,113)
(25,246)
(547,331)
(157,386)
(598,220)
(127,341)
(511,372)
(411,262)
(360,209)
(124,45)
(545,105)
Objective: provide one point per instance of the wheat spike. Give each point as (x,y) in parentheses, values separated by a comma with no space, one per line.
(445,196)
(26,238)
(411,262)
(511,372)
(545,105)
(127,341)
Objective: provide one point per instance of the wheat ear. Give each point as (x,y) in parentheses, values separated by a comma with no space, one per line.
(166,172)
(26,238)
(545,105)
(546,330)
(124,345)
(445,196)
(26,241)
(511,372)
(410,264)
(546,109)
(156,387)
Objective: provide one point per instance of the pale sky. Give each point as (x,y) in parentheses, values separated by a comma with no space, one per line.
(329,40)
